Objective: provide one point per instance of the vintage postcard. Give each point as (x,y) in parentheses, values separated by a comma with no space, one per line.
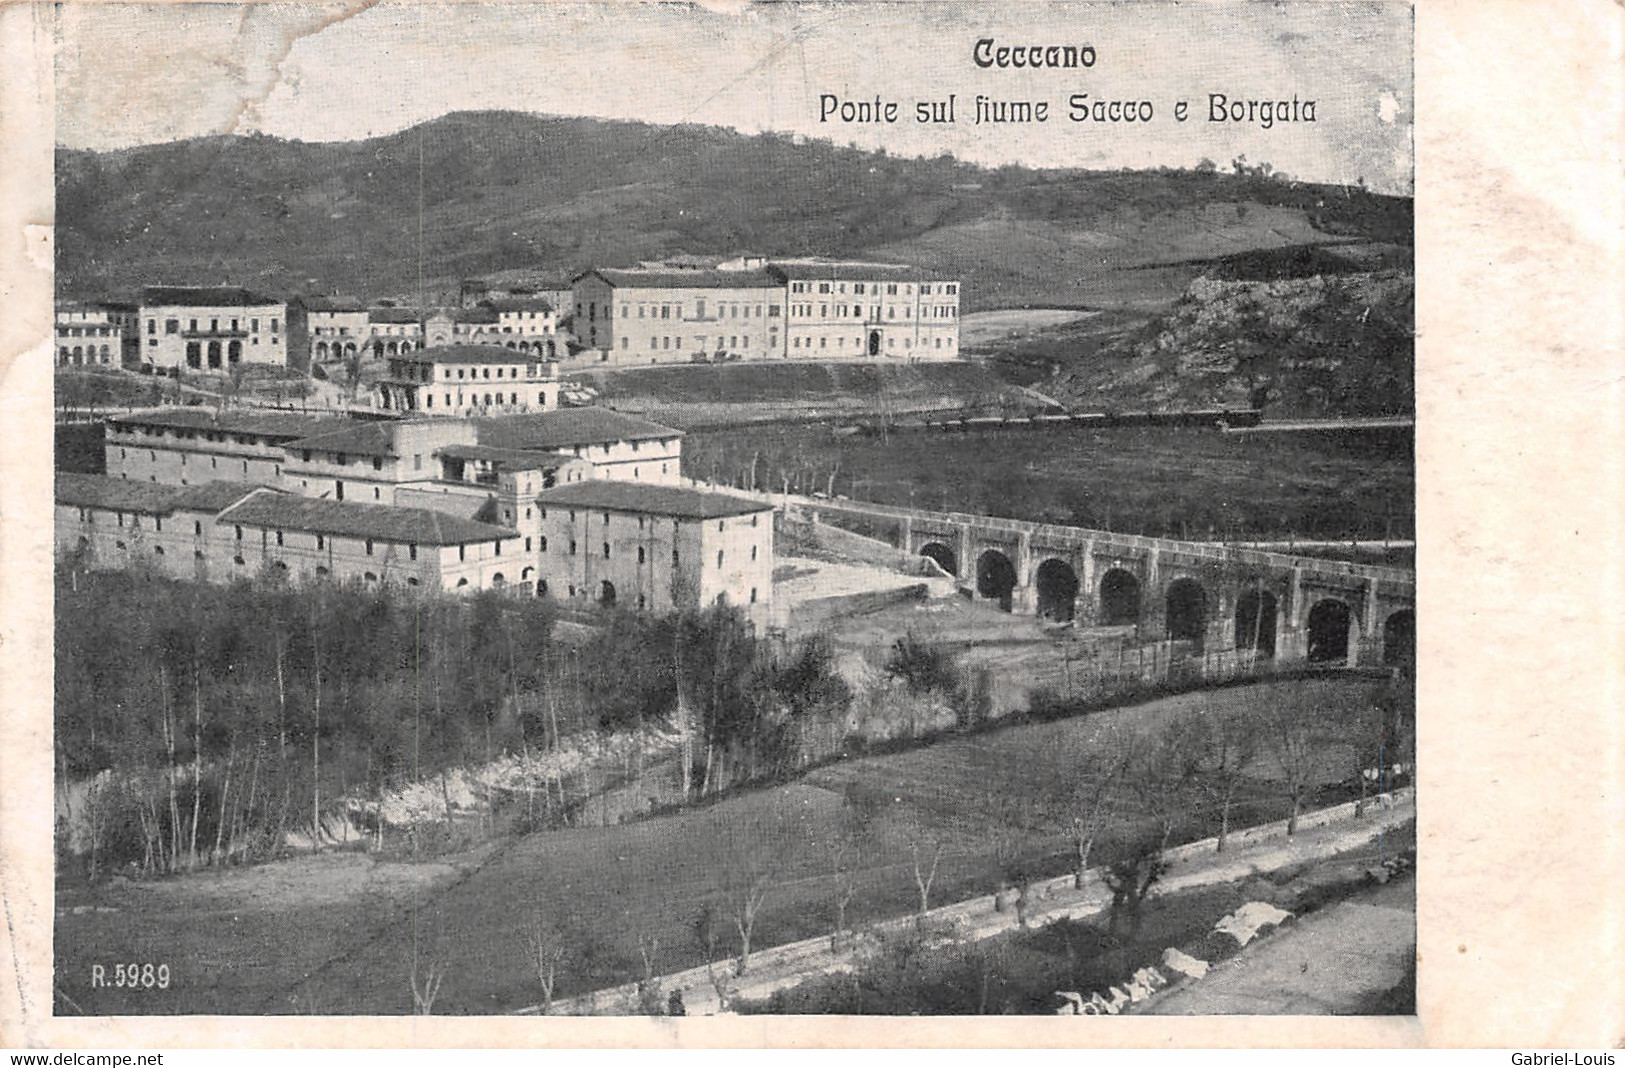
(610,515)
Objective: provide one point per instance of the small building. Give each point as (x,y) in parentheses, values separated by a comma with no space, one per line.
(392,330)
(655,548)
(326,329)
(96,334)
(620,447)
(462,380)
(210,328)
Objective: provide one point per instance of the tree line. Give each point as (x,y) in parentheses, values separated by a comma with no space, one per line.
(201,724)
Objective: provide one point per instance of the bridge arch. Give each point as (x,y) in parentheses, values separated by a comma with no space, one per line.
(1119,598)
(944,556)
(1057,587)
(1186,605)
(996,578)
(1399,637)
(1331,631)
(1255,621)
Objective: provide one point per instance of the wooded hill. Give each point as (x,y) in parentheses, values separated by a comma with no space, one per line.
(538,197)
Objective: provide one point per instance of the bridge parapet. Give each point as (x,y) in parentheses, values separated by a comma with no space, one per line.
(1046,535)
(1217,595)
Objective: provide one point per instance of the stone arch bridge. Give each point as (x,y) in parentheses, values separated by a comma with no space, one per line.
(1213,596)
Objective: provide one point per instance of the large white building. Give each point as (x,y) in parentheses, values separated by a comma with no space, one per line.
(579,503)
(656,548)
(210,328)
(460,380)
(749,308)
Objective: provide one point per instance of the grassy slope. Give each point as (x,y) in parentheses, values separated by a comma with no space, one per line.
(607,886)
(514,194)
(1152,481)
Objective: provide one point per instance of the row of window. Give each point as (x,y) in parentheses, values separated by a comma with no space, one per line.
(86,331)
(474,399)
(857,342)
(173,326)
(862,288)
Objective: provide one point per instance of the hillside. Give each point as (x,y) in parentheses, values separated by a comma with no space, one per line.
(1334,344)
(538,197)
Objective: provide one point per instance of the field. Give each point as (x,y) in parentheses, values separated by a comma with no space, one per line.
(241,941)
(1159,481)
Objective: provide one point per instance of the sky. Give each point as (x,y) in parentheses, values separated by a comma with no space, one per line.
(130,74)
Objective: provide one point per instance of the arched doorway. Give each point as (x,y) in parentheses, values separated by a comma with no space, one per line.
(321,350)
(996,578)
(1057,590)
(214,354)
(1255,621)
(1186,605)
(606,593)
(234,351)
(874,342)
(1119,598)
(943,555)
(498,580)
(1399,638)
(1331,624)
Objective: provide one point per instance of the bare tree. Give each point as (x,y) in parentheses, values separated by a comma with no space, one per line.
(1093,790)
(1291,742)
(1130,880)
(547,950)
(425,992)
(1235,747)
(927,856)
(853,826)
(753,847)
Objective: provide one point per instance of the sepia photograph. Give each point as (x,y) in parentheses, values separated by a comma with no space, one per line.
(789,509)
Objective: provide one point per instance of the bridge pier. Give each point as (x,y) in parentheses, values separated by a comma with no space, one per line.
(1366,647)
(1220,632)
(1086,604)
(1153,625)
(1292,629)
(1024,598)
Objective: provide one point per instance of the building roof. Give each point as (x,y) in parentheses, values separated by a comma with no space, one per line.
(332,304)
(116,494)
(205,297)
(470,354)
(216,496)
(271,424)
(860,272)
(480,314)
(358,439)
(394,315)
(564,428)
(350,519)
(616,496)
(512,459)
(684,279)
(149,498)
(514,304)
